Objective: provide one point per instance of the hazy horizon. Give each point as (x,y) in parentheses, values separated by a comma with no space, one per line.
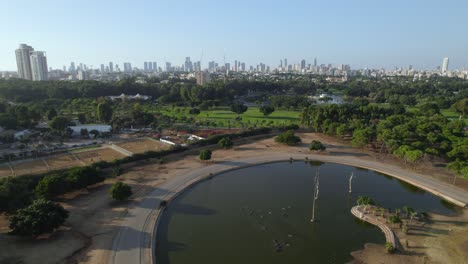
(365,34)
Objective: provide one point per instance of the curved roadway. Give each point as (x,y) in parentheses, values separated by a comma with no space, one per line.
(134,242)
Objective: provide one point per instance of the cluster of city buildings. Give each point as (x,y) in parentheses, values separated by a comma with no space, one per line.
(32,65)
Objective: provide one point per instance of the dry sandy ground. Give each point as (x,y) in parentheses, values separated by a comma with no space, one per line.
(95,218)
(442,240)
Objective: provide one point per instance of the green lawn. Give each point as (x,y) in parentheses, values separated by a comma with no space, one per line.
(222,115)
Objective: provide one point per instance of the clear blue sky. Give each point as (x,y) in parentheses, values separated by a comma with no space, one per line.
(363,33)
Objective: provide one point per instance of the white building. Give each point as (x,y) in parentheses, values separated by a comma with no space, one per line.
(445,64)
(130,97)
(23,61)
(99,128)
(38,66)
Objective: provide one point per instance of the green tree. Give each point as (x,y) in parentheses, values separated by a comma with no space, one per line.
(266,110)
(51,114)
(361,137)
(84,132)
(238,108)
(194,111)
(461,107)
(59,123)
(205,154)
(316,145)
(288,138)
(82,118)
(120,191)
(365,200)
(104,112)
(225,143)
(40,217)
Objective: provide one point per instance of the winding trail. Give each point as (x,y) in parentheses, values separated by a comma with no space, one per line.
(134,242)
(389,235)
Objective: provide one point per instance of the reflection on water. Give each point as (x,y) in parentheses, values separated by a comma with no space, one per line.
(262,215)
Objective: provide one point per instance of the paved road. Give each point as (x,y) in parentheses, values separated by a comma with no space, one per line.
(134,243)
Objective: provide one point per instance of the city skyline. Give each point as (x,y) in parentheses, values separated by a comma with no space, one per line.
(364,35)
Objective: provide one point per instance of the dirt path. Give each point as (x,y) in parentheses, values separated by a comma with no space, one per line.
(95,220)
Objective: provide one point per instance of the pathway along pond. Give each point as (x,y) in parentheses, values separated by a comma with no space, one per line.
(244,216)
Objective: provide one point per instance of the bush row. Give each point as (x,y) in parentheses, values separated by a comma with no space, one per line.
(73,179)
(214,139)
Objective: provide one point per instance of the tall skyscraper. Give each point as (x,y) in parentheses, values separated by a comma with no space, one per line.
(23,61)
(127,67)
(111,67)
(286,63)
(445,65)
(72,68)
(155,66)
(188,64)
(315,62)
(38,66)
(150,66)
(103,69)
(303,64)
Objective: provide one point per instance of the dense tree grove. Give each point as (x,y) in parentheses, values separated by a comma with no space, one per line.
(408,136)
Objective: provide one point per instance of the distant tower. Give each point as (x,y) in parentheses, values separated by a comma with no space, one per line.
(315,62)
(155,66)
(38,66)
(111,67)
(286,63)
(303,64)
(23,61)
(445,65)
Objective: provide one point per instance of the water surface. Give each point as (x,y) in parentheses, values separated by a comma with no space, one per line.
(246,215)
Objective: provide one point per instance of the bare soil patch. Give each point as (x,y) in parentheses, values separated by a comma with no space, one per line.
(142,145)
(101,154)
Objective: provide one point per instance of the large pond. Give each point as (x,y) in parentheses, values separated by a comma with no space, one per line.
(243,215)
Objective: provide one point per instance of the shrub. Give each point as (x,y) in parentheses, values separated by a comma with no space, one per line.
(116,171)
(316,145)
(394,219)
(163,203)
(120,191)
(225,143)
(205,154)
(40,217)
(389,247)
(288,138)
(194,111)
(365,200)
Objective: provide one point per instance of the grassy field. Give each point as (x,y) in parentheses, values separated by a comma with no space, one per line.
(223,115)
